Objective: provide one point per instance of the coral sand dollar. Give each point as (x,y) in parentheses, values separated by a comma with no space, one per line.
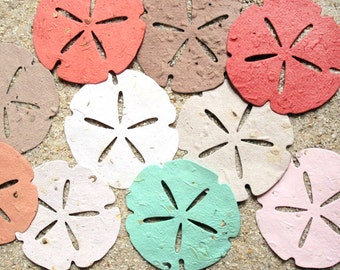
(87,39)
(18,196)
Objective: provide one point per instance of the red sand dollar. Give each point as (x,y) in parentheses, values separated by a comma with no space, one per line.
(88,40)
(18,196)
(287,41)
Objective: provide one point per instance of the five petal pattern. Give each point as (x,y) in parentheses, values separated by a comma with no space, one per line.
(181,216)
(88,38)
(75,221)
(300,217)
(244,145)
(117,130)
(186,41)
(288,55)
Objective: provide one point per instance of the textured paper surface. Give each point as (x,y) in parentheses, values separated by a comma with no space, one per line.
(181,200)
(300,217)
(18,196)
(86,41)
(287,43)
(28,98)
(117,130)
(186,40)
(72,223)
(244,145)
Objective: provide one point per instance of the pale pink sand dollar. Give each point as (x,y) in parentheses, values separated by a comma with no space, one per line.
(75,221)
(118,129)
(300,217)
(244,145)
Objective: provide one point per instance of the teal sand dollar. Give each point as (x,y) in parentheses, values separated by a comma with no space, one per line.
(182,216)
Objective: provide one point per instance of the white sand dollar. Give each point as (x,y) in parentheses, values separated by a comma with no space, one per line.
(244,145)
(74,222)
(118,129)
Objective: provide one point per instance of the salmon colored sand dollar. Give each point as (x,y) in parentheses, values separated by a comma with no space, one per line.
(182,218)
(117,129)
(87,39)
(288,55)
(185,40)
(244,145)
(300,217)
(28,98)
(18,196)
(76,220)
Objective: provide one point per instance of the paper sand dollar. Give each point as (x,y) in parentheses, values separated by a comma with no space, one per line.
(186,40)
(87,39)
(300,217)
(75,221)
(287,41)
(18,196)
(118,129)
(28,98)
(181,216)
(244,145)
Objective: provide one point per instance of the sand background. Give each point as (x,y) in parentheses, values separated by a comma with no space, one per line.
(317,128)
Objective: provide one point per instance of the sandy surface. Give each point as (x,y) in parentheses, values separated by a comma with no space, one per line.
(318,128)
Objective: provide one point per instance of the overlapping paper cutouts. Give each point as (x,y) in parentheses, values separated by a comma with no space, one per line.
(18,196)
(87,39)
(75,221)
(118,129)
(186,40)
(300,217)
(28,98)
(181,216)
(244,145)
(288,54)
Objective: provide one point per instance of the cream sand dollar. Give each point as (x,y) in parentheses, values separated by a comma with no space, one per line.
(118,129)
(244,145)
(75,221)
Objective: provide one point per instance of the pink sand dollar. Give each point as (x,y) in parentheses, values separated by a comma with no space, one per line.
(75,221)
(300,217)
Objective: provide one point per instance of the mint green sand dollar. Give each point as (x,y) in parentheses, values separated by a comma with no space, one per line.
(181,216)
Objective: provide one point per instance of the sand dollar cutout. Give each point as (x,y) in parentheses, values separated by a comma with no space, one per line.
(186,40)
(287,41)
(28,98)
(18,196)
(74,222)
(181,216)
(117,130)
(88,38)
(300,217)
(244,145)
